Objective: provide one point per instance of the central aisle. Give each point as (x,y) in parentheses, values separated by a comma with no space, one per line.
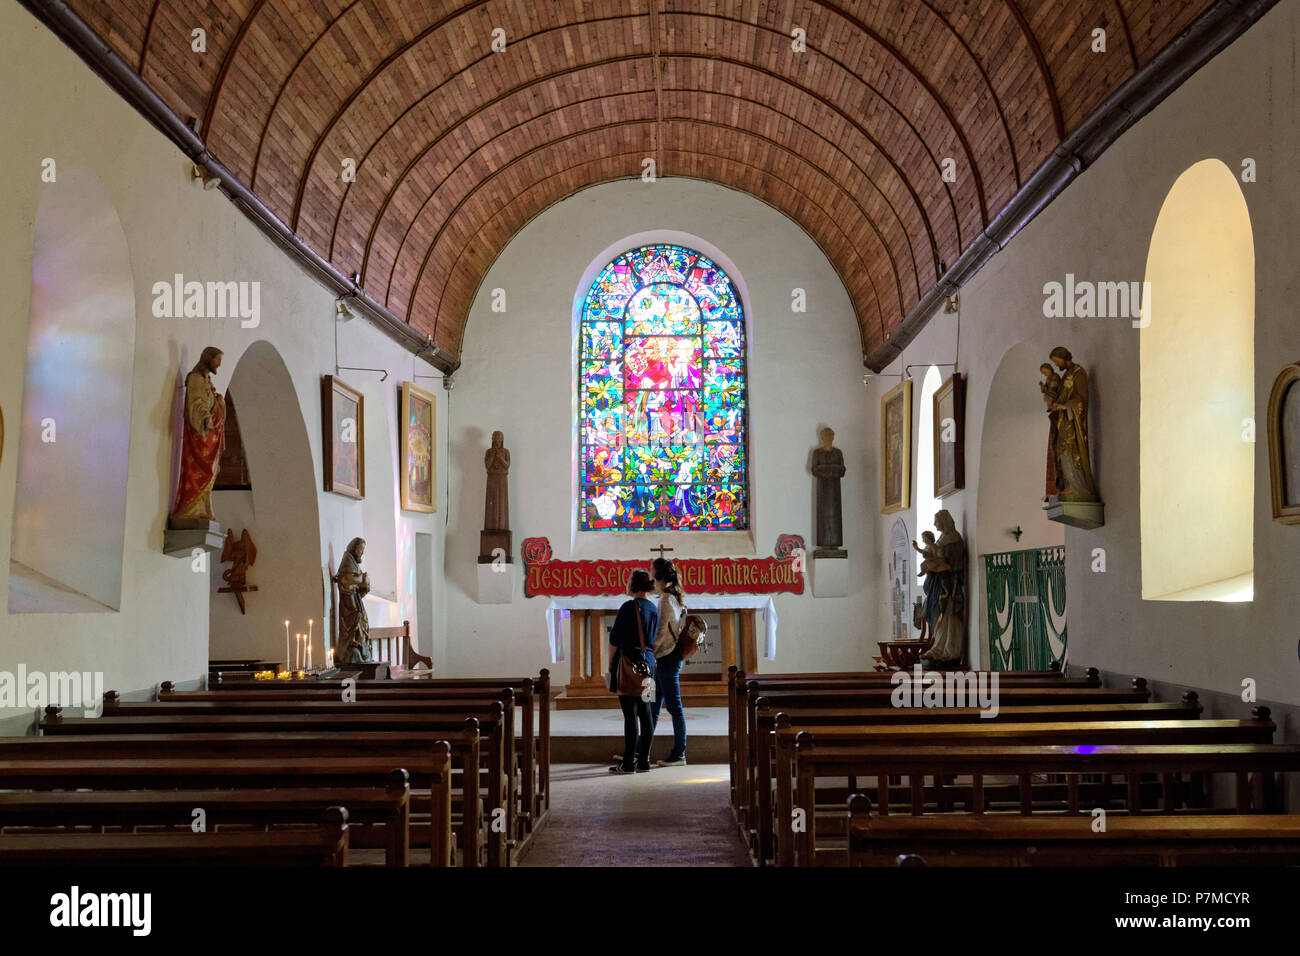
(671,816)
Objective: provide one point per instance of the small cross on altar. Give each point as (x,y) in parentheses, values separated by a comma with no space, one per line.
(661,549)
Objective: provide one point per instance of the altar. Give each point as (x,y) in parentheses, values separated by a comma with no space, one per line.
(588,644)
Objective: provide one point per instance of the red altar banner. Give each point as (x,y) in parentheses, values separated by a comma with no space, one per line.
(784,572)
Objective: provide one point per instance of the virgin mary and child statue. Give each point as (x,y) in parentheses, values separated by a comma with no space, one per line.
(944,608)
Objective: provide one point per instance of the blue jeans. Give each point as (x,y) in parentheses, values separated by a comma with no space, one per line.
(668,693)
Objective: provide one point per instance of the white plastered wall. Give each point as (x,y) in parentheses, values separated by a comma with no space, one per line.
(57,108)
(1242,105)
(518,375)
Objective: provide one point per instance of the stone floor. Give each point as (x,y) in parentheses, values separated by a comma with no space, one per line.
(671,816)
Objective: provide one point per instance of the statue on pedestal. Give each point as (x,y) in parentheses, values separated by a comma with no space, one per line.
(496,506)
(202,438)
(354,626)
(828,467)
(1067,405)
(945,595)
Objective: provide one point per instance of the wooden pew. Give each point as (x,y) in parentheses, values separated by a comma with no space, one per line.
(328,846)
(405,738)
(738,680)
(1258,730)
(743,688)
(393,646)
(1254,768)
(762,762)
(532,696)
(1013,840)
(388,805)
(745,729)
(483,706)
(410,748)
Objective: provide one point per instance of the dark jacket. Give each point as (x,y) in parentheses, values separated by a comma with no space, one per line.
(625,637)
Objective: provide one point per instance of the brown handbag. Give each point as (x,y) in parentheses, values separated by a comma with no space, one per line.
(691,639)
(633,676)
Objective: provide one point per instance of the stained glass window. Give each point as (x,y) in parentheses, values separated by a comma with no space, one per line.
(661,381)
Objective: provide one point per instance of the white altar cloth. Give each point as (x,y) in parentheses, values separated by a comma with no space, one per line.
(558,610)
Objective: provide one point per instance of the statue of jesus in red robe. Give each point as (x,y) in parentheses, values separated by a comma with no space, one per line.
(201,442)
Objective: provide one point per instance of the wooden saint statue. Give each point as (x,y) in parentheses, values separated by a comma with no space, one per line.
(241,554)
(496,504)
(353,641)
(202,438)
(828,467)
(1069,411)
(1050,386)
(945,595)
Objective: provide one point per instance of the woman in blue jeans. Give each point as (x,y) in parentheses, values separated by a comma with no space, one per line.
(633,641)
(668,659)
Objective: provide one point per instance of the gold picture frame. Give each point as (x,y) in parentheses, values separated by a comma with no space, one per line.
(896,448)
(949,456)
(419,411)
(344,459)
(1284,445)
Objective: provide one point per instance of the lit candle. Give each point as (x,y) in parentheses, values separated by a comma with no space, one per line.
(309,630)
(286,645)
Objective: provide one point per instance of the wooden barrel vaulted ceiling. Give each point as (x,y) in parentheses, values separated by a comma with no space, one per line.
(456,146)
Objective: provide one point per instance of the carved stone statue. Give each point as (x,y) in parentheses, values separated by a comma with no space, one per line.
(202,438)
(945,595)
(828,467)
(1068,409)
(353,642)
(496,506)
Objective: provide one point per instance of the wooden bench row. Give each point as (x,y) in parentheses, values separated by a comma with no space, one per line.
(1131,723)
(874,690)
(1009,840)
(326,846)
(531,698)
(278,758)
(435,769)
(800,743)
(1009,774)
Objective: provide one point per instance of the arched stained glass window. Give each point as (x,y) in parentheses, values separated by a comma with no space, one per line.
(662,394)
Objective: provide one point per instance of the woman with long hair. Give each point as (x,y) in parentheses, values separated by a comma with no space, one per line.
(668,659)
(634,639)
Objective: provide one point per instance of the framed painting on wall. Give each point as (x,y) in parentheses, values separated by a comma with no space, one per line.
(343,421)
(1284,445)
(896,448)
(950,437)
(418,430)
